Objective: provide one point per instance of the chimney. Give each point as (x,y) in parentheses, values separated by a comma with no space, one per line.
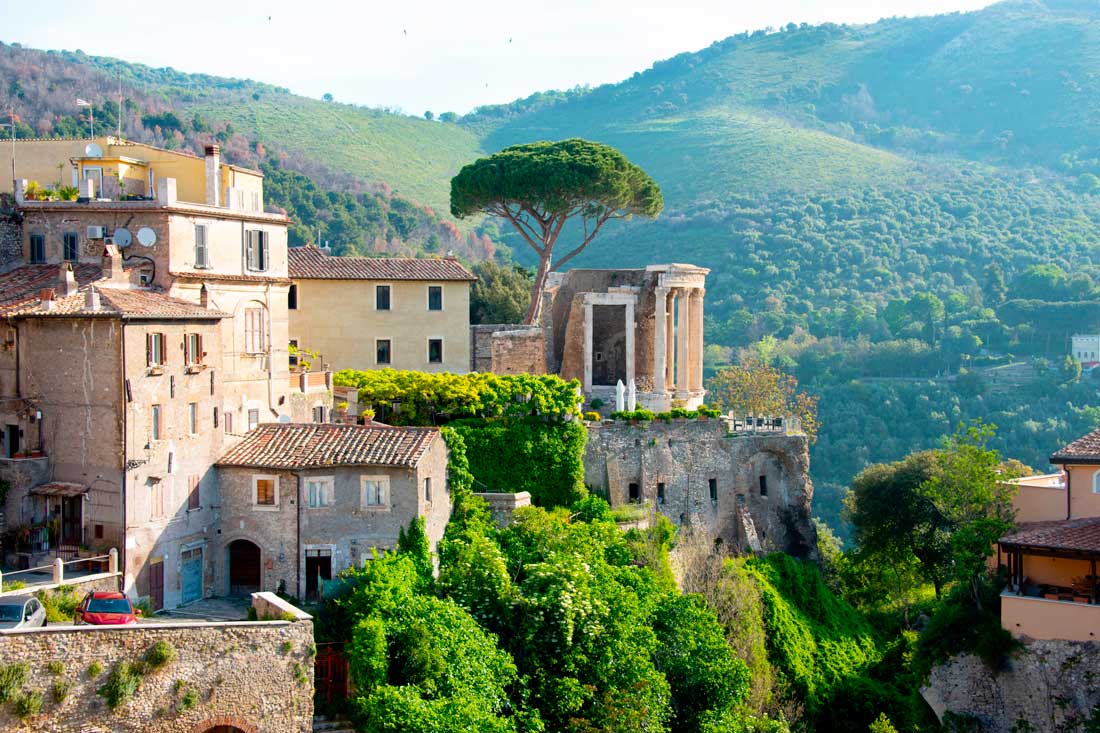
(91,299)
(213,175)
(112,265)
(204,297)
(46,297)
(66,281)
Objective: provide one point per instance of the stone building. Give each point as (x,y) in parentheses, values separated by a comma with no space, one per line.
(750,488)
(374,313)
(300,503)
(605,326)
(142,332)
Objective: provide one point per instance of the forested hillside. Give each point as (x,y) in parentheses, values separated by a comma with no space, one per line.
(915,199)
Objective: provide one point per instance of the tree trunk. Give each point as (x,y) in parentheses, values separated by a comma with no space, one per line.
(535,308)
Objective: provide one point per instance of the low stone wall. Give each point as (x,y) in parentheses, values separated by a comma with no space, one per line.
(481,344)
(501,506)
(256,676)
(1050,686)
(522,351)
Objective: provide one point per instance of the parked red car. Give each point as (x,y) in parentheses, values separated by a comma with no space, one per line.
(102,608)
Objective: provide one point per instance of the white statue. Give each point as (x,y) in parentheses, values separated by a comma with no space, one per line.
(631,396)
(619,390)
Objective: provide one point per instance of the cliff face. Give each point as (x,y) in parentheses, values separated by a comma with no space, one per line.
(751,491)
(1050,686)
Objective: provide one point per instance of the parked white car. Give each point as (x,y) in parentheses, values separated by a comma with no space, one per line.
(21,612)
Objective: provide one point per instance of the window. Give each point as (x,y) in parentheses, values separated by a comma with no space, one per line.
(38,248)
(254,330)
(192,349)
(292,350)
(292,297)
(202,257)
(634,494)
(154,349)
(373,492)
(192,417)
(215,416)
(1096,482)
(712,483)
(253,419)
(660,493)
(435,297)
(382,351)
(319,413)
(256,250)
(763,485)
(382,297)
(228,422)
(156,498)
(156,412)
(193,496)
(98,531)
(435,351)
(428,488)
(70,246)
(265,491)
(320,491)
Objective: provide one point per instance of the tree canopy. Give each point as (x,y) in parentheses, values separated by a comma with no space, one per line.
(541,186)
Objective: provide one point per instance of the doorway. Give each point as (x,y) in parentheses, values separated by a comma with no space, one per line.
(72,520)
(244,568)
(191,575)
(11,440)
(608,344)
(318,569)
(156,584)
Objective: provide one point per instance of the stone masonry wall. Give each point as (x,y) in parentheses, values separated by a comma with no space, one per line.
(519,352)
(681,459)
(256,676)
(481,344)
(11,234)
(1050,685)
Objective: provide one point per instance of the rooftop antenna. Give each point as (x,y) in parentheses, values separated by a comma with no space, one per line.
(119,104)
(91,113)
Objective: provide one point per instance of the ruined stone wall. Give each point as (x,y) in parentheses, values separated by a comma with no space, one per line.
(481,344)
(518,352)
(256,676)
(1050,686)
(11,234)
(501,505)
(761,484)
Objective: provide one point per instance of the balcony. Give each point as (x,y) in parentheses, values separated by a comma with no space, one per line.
(1045,618)
(308,382)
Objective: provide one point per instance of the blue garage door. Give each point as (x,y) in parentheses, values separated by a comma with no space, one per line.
(191,575)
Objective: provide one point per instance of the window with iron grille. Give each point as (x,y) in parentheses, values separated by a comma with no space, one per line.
(71,246)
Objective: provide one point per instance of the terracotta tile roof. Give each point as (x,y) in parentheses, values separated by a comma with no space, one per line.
(217,276)
(310,263)
(1072,535)
(26,282)
(1084,448)
(314,445)
(114,303)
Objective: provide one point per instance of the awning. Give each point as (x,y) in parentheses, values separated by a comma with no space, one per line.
(58,488)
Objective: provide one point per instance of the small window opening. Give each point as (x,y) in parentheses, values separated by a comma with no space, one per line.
(712,483)
(763,485)
(635,493)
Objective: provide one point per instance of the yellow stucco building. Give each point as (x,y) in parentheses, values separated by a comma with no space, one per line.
(377,313)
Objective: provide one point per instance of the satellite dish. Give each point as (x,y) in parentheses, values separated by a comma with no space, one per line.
(284,419)
(147,237)
(122,237)
(92,150)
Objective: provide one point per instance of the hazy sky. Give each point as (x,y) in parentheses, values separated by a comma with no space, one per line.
(419,54)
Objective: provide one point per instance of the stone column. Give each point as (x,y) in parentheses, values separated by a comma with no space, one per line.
(683,343)
(587,348)
(629,342)
(660,301)
(670,341)
(696,378)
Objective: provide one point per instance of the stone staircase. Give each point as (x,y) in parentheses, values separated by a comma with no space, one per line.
(327,724)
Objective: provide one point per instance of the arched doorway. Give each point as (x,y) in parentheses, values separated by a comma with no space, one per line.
(224,729)
(244,569)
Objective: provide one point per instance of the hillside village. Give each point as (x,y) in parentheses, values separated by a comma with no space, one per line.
(254,480)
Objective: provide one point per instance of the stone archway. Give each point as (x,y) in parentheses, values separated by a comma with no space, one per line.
(225,724)
(244,567)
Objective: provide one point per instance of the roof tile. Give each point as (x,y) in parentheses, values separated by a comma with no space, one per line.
(1084,448)
(1074,535)
(315,445)
(310,263)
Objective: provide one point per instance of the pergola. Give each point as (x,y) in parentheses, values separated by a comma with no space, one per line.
(1071,539)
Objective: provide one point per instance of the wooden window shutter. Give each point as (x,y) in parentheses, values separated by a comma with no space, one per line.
(148,349)
(199,356)
(163,349)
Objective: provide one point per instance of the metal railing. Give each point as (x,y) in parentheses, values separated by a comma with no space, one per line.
(57,569)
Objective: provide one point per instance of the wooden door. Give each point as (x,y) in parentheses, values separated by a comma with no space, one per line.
(156,585)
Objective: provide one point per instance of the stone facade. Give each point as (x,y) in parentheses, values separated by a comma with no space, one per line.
(339,535)
(751,490)
(521,351)
(255,676)
(1050,686)
(501,506)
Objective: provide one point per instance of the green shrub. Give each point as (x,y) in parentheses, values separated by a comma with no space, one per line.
(629,512)
(286,648)
(94,670)
(121,685)
(12,677)
(27,704)
(60,690)
(592,416)
(189,700)
(160,654)
(60,604)
(13,585)
(56,668)
(636,415)
(596,403)
(177,686)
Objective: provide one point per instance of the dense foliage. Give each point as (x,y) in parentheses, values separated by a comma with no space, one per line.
(420,398)
(551,454)
(501,293)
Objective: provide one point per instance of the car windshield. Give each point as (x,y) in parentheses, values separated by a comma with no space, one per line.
(109,605)
(11,612)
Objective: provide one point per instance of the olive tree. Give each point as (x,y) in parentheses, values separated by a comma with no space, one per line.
(540,186)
